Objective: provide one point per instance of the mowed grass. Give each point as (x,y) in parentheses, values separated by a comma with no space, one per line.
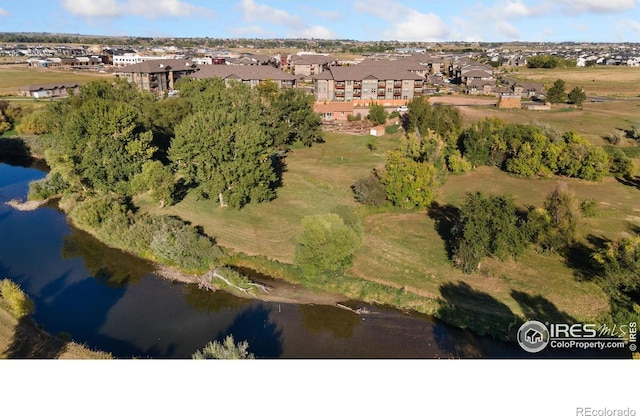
(406,250)
(12,77)
(316,180)
(604,81)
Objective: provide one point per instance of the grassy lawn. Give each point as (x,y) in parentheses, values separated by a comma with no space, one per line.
(403,249)
(406,250)
(12,77)
(316,181)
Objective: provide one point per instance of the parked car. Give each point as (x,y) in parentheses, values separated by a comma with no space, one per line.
(402,109)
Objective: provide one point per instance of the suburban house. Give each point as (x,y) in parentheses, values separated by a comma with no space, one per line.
(157,75)
(51,90)
(334,111)
(367,83)
(248,74)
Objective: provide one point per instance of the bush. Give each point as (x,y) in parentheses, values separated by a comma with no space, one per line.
(370,191)
(357,117)
(51,185)
(326,245)
(228,350)
(616,137)
(589,208)
(19,303)
(457,163)
(34,123)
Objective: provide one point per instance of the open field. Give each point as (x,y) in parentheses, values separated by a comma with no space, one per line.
(13,77)
(403,249)
(595,121)
(317,180)
(600,81)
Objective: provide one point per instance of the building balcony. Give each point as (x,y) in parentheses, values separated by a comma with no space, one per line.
(357,92)
(339,93)
(382,84)
(381,93)
(397,84)
(357,84)
(340,84)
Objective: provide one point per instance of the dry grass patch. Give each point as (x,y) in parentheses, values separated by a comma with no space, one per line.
(12,77)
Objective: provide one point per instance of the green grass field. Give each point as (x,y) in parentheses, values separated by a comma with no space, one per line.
(317,180)
(403,249)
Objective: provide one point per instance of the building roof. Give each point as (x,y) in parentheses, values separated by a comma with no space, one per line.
(328,107)
(49,86)
(357,73)
(311,60)
(159,65)
(259,72)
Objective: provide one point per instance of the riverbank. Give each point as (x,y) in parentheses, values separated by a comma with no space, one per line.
(22,339)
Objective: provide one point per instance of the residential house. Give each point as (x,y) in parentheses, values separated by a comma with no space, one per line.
(334,111)
(250,75)
(157,75)
(50,90)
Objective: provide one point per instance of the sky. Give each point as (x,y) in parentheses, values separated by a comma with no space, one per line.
(365,20)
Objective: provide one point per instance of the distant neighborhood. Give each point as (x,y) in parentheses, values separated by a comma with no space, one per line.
(391,78)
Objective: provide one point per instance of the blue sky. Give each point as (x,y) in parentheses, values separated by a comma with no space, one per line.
(420,20)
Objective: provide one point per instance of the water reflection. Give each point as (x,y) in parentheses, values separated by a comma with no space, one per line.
(110,266)
(338,322)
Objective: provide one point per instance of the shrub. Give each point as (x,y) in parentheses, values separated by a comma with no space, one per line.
(589,208)
(325,246)
(616,137)
(34,123)
(19,303)
(51,185)
(357,117)
(457,163)
(370,191)
(228,350)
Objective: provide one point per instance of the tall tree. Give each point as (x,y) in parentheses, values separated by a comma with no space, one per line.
(557,93)
(409,183)
(292,117)
(577,96)
(226,153)
(377,114)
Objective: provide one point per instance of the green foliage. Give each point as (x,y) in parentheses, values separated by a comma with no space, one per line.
(226,151)
(553,227)
(557,93)
(370,191)
(8,115)
(392,129)
(19,303)
(51,185)
(577,96)
(444,120)
(377,114)
(409,183)
(488,225)
(620,262)
(543,61)
(589,208)
(34,123)
(227,350)
(293,118)
(458,163)
(357,117)
(326,245)
(157,179)
(635,130)
(619,163)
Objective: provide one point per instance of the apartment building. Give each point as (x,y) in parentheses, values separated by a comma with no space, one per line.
(157,75)
(249,74)
(367,82)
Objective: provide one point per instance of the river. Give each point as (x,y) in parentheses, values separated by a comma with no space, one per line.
(114,302)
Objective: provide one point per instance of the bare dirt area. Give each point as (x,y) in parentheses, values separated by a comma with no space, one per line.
(463,100)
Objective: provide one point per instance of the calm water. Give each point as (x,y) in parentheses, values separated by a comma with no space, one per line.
(113,302)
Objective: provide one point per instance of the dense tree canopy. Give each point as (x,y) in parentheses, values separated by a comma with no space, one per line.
(557,93)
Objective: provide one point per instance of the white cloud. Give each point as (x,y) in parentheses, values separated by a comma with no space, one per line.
(598,6)
(406,24)
(144,8)
(296,25)
(317,32)
(507,30)
(3,12)
(259,12)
